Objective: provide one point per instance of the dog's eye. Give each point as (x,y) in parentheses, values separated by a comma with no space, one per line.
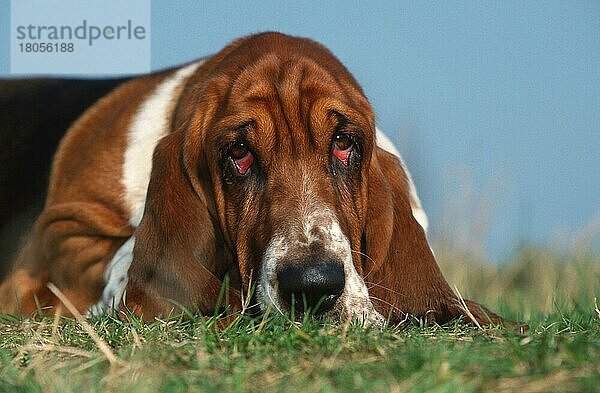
(343,144)
(241,157)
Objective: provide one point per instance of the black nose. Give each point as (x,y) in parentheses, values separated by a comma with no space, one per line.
(316,285)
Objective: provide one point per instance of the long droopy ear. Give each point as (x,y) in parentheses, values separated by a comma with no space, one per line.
(400,271)
(176,248)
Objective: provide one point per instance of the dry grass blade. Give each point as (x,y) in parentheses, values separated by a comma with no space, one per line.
(466,309)
(46,347)
(35,336)
(100,343)
(136,338)
(596,308)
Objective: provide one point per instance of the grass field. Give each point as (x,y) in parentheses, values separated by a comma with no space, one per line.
(553,294)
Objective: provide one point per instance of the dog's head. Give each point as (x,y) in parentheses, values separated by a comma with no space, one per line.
(288,149)
(272,174)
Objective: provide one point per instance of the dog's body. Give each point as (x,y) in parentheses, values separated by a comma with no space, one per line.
(34,115)
(262,164)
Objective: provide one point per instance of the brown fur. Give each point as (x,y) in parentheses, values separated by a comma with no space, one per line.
(198,225)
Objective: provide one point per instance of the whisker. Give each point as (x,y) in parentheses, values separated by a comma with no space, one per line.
(372,285)
(363,254)
(405,316)
(369,258)
(393,308)
(384,302)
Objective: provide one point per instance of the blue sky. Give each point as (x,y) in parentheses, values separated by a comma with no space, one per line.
(495,105)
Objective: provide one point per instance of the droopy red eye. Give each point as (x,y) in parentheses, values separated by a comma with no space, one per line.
(241,156)
(342,148)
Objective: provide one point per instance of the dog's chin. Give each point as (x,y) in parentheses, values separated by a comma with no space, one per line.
(339,314)
(369,318)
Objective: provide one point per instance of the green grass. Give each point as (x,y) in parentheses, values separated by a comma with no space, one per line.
(561,351)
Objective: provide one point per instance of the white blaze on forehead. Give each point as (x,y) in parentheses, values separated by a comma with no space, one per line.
(148,126)
(415,203)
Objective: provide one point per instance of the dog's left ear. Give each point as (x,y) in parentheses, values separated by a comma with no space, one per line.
(399,268)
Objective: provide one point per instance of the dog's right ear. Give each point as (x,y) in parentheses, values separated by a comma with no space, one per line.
(401,271)
(176,244)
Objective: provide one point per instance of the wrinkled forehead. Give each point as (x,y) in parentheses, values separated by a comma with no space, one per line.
(291,101)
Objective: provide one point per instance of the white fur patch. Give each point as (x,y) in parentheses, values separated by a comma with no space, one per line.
(355,298)
(149,125)
(415,203)
(267,289)
(116,279)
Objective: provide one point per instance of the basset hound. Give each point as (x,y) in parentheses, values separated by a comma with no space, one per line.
(260,166)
